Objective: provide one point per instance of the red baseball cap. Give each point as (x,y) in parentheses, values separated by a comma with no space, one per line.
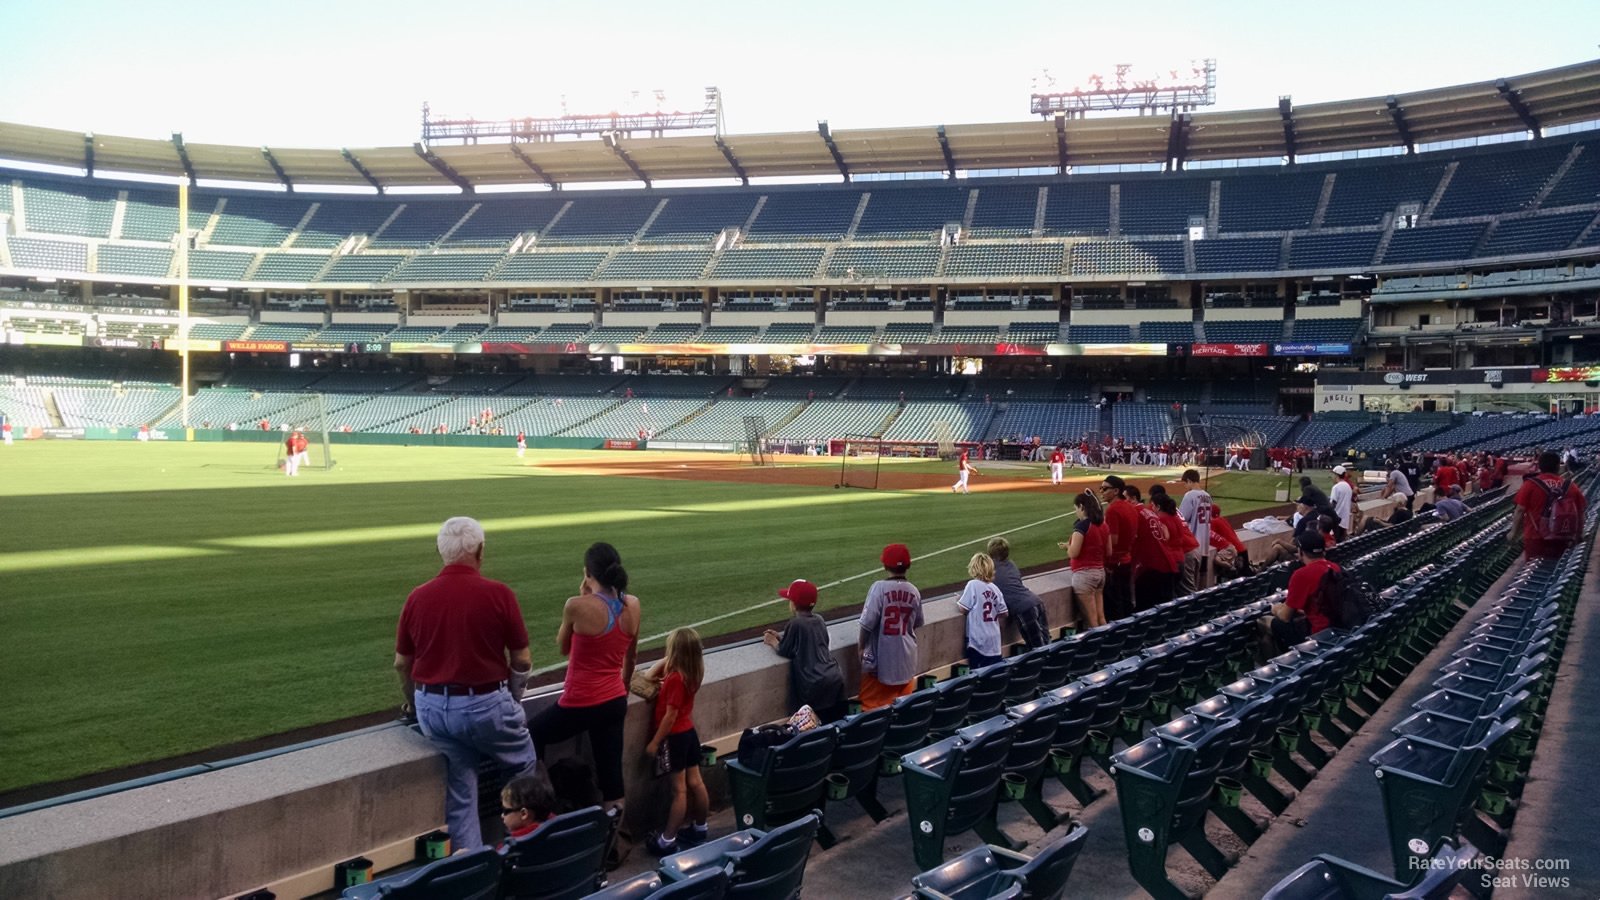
(896,557)
(801,593)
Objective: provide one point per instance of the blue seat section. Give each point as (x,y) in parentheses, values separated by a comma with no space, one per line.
(898,261)
(1166,332)
(1244,331)
(1099,334)
(495,223)
(1428,244)
(1272,202)
(145,262)
(1541,234)
(1498,182)
(977,260)
(1344,250)
(1068,422)
(85,210)
(601,220)
(1237,255)
(699,218)
(1363,195)
(911,212)
(550,266)
(1342,331)
(1005,210)
(1142,422)
(53,256)
(1476,432)
(768,263)
(1580,183)
(1079,209)
(248,221)
(1158,206)
(422,223)
(1116,257)
(336,220)
(805,216)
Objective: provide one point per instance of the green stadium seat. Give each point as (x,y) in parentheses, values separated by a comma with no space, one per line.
(1029,756)
(853,770)
(1163,784)
(1331,878)
(791,781)
(707,884)
(992,872)
(1022,683)
(768,865)
(1427,790)
(953,786)
(952,699)
(988,692)
(468,876)
(563,860)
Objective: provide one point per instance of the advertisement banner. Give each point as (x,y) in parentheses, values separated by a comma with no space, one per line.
(621,445)
(117,343)
(254,347)
(195,345)
(1228,350)
(1302,349)
(61,434)
(1568,374)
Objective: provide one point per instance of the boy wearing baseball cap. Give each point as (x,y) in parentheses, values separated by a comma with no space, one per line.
(888,640)
(814,675)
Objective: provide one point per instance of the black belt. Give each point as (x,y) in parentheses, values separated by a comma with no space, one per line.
(467,689)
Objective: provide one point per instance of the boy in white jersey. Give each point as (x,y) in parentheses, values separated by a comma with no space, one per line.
(984,606)
(888,640)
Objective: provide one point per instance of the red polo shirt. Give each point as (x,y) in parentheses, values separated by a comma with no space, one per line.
(458,627)
(1302,585)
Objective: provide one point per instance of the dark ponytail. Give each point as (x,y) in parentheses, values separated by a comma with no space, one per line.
(1091,508)
(604,565)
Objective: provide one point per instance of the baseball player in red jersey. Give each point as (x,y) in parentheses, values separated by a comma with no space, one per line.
(963,468)
(1057,460)
(522,444)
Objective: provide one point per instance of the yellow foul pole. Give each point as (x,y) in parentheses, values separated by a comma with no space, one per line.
(183,295)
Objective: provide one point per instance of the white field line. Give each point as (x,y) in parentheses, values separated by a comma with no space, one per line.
(866,574)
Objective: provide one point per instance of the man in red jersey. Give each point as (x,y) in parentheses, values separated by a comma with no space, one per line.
(1122,520)
(461,651)
(1302,613)
(1445,477)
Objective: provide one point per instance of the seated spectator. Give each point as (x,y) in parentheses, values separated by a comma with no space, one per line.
(1228,552)
(1301,613)
(1451,508)
(526,802)
(815,678)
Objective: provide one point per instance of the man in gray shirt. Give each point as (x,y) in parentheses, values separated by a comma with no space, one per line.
(888,640)
(1195,511)
(1398,483)
(1026,609)
(1451,508)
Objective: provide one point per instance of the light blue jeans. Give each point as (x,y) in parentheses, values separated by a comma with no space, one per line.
(466,729)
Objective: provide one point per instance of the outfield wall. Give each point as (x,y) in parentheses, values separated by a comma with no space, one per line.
(286,820)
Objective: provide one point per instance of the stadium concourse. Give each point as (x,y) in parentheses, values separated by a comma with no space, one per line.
(1397,296)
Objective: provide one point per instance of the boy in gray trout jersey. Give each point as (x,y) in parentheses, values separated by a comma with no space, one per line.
(888,641)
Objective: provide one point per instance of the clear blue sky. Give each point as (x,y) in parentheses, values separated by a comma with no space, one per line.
(355,72)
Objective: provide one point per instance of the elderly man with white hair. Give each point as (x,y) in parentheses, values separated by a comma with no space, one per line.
(462,654)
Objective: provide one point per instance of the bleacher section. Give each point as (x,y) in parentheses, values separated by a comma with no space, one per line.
(1269,202)
(1152,206)
(1167,333)
(290,267)
(1065,422)
(653,265)
(1339,331)
(1428,244)
(1099,334)
(876,263)
(545,266)
(601,220)
(1333,434)
(1244,331)
(969,260)
(1497,182)
(1077,209)
(699,218)
(100,406)
(1127,258)
(1141,422)
(635,415)
(248,221)
(1005,211)
(1399,434)
(911,212)
(1033,332)
(1273,429)
(141,262)
(828,419)
(967,421)
(421,224)
(724,420)
(217,265)
(1541,234)
(1363,195)
(85,210)
(1237,255)
(768,263)
(496,223)
(1345,250)
(1475,432)
(446,267)
(805,216)
(53,256)
(336,220)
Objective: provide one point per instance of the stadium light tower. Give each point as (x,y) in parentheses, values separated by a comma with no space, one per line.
(549,128)
(1178,90)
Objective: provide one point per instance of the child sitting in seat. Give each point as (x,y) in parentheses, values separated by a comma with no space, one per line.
(526,802)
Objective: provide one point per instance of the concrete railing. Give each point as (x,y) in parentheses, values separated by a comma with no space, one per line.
(284,821)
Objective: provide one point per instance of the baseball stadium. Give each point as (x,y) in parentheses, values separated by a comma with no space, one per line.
(1335,365)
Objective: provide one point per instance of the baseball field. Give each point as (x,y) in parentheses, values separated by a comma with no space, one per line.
(162,599)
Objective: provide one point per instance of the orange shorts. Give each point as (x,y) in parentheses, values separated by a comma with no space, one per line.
(875,694)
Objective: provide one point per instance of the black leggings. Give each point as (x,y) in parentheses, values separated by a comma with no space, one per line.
(603,723)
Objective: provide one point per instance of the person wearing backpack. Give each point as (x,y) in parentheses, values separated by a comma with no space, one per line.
(1548,515)
(1303,611)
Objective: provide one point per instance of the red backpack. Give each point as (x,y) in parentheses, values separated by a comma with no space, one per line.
(1560,522)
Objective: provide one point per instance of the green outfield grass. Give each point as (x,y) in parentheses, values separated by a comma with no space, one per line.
(166,598)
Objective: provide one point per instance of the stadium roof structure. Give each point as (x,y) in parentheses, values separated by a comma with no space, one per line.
(1532,102)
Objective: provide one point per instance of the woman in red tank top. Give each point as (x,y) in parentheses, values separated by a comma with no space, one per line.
(600,638)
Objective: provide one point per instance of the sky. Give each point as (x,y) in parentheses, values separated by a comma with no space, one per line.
(355,73)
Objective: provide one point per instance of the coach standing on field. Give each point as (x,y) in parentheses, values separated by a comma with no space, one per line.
(462,654)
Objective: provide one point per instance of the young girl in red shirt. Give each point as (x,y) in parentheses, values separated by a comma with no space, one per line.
(674,744)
